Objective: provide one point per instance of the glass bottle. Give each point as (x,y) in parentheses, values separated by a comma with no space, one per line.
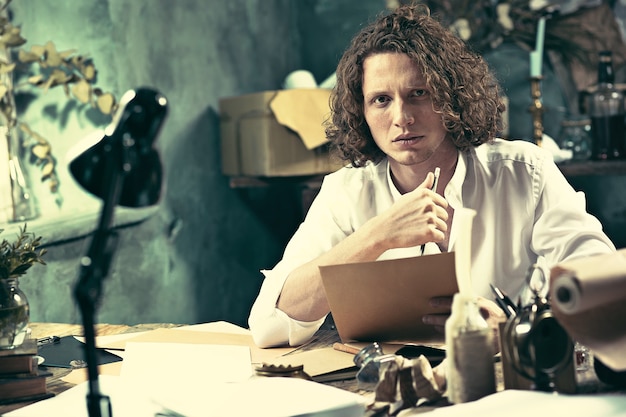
(606,109)
(470,372)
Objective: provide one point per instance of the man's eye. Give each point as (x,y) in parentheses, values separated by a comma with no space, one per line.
(420,93)
(380,100)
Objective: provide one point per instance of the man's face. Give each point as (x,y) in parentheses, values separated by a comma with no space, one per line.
(398,109)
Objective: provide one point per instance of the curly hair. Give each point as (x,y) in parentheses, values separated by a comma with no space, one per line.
(464,90)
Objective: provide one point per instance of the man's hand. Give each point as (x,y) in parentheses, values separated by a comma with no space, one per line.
(417,217)
(489,310)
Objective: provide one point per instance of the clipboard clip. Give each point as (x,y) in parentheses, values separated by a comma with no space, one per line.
(48,340)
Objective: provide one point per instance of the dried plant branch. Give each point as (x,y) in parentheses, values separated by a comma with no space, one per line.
(47,68)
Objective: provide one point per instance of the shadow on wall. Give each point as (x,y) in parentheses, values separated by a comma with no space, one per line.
(606,204)
(208,223)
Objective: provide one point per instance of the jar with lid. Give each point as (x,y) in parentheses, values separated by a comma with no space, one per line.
(575,135)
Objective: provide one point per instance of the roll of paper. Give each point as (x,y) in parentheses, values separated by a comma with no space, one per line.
(589,283)
(588,297)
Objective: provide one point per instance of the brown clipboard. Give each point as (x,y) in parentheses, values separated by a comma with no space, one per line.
(385,300)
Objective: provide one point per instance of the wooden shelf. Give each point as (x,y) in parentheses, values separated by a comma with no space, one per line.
(582,168)
(311,181)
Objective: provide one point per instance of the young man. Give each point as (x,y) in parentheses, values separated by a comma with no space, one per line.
(410,97)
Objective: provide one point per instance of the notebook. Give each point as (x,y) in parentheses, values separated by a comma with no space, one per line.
(386,300)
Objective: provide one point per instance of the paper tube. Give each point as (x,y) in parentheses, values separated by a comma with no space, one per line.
(589,283)
(592,304)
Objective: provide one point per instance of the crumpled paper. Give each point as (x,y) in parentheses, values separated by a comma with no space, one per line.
(406,383)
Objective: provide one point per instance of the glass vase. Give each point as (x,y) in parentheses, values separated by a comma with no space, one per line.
(14,314)
(24,204)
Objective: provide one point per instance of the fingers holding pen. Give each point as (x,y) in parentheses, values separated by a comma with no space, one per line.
(437,223)
(418,217)
(432,206)
(435,211)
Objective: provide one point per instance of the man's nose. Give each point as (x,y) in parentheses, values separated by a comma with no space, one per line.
(403,115)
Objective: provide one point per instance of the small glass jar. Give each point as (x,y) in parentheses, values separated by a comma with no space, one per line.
(371,362)
(575,135)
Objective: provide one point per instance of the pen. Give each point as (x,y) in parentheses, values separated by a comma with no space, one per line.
(341,347)
(436,181)
(433,188)
(503,300)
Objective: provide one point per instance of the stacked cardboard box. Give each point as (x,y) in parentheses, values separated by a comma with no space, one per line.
(276,134)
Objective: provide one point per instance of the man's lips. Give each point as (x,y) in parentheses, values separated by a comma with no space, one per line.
(407,138)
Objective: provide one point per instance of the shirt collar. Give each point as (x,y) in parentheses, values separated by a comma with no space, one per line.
(395,193)
(452,193)
(454,190)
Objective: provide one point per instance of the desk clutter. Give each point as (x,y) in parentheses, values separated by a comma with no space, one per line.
(214,369)
(20,376)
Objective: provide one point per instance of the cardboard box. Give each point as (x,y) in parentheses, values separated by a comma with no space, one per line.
(276,133)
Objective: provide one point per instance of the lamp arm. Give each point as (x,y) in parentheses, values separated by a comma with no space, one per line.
(93,270)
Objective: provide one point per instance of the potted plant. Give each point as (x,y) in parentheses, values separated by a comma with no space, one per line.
(16,258)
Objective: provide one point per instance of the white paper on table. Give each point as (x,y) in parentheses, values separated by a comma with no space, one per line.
(266,397)
(167,367)
(260,397)
(525,403)
(109,339)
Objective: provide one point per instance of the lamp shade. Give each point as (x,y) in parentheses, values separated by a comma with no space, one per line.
(127,148)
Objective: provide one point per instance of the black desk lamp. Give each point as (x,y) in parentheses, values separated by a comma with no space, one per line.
(122,168)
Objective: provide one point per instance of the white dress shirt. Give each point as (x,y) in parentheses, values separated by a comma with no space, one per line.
(527,213)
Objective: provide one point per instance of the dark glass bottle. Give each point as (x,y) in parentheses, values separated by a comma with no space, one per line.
(606,109)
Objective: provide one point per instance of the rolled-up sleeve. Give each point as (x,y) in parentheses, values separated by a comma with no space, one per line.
(270,326)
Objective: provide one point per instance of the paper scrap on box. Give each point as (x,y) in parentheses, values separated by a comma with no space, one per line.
(303,112)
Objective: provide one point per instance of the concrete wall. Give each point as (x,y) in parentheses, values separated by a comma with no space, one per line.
(197,256)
